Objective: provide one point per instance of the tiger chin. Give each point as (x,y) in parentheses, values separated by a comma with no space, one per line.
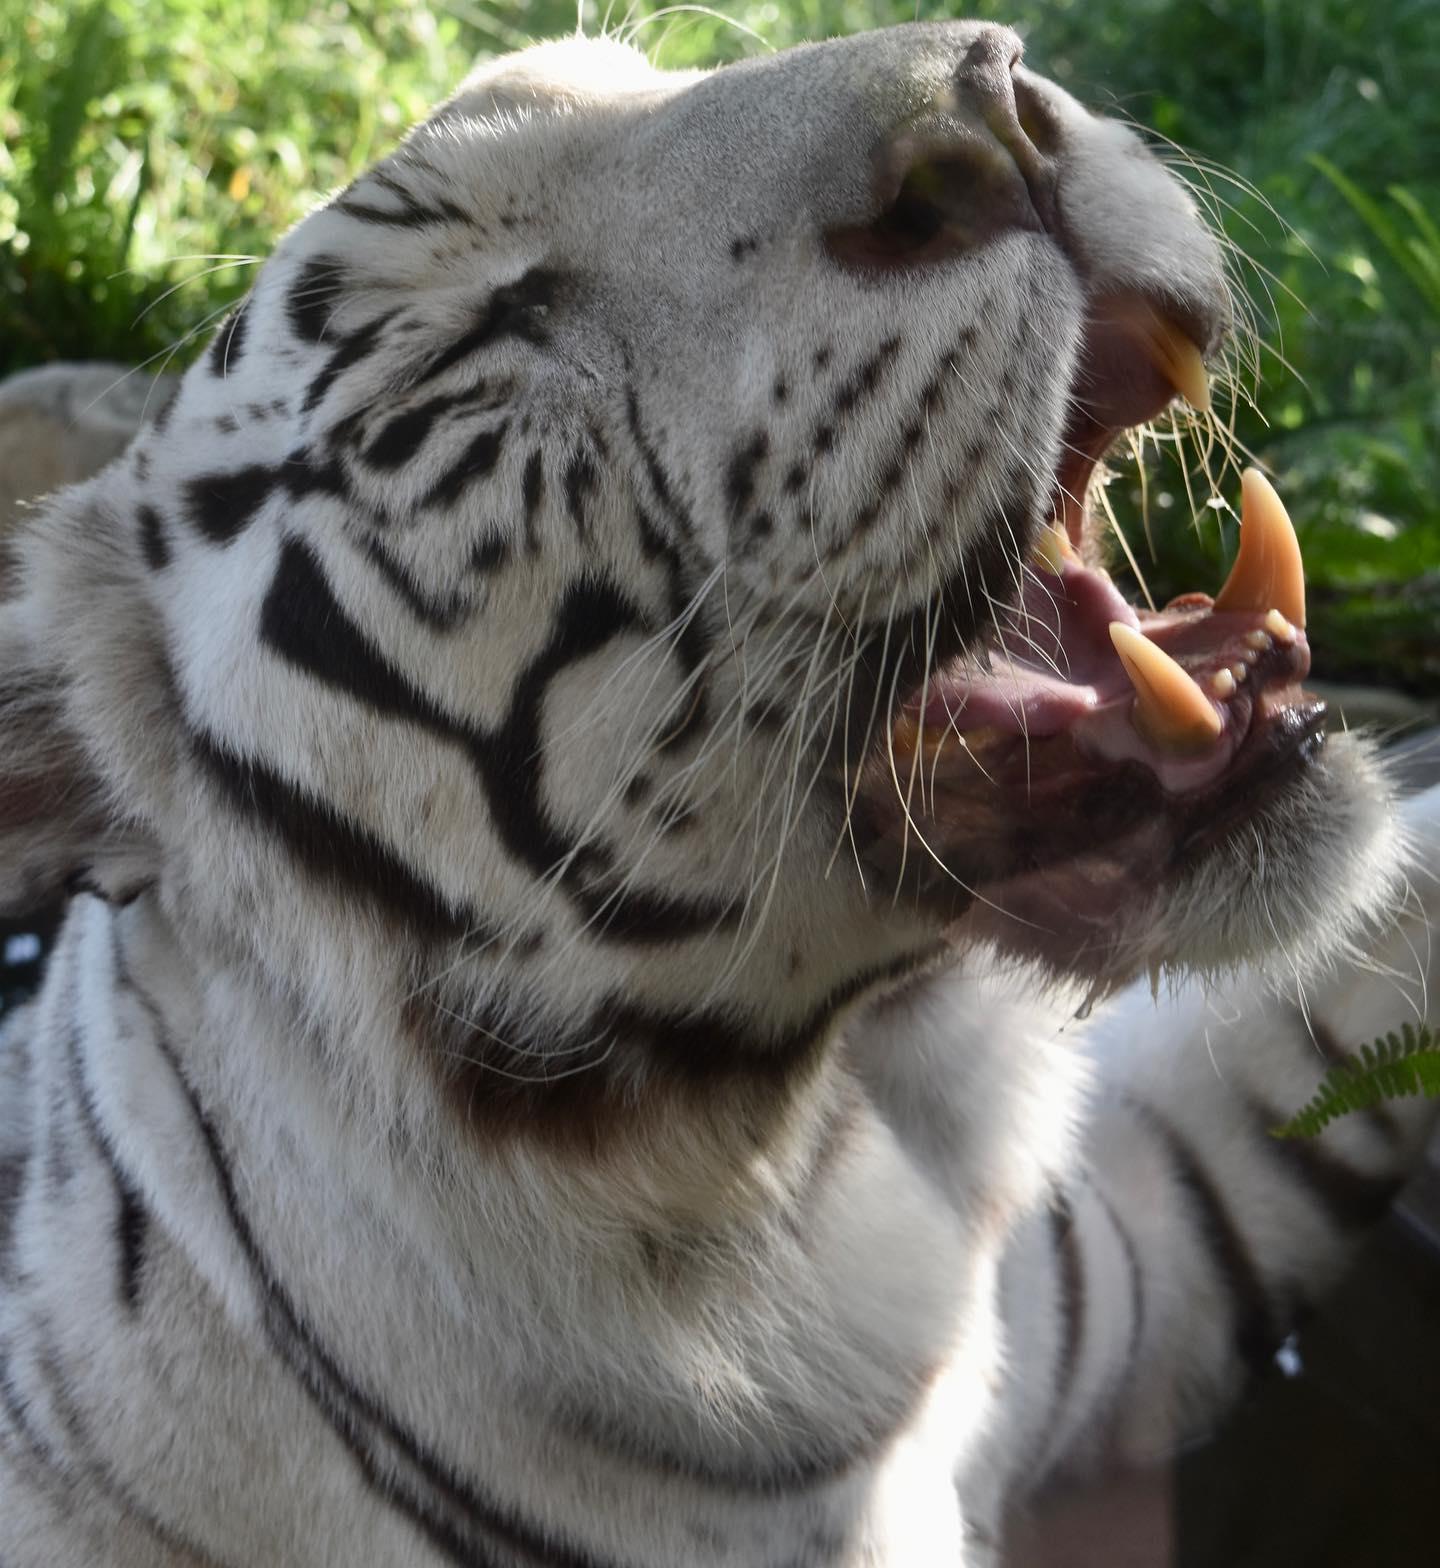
(565,742)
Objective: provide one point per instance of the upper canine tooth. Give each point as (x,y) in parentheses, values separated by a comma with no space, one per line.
(1268,573)
(1053,549)
(1170,709)
(1179,360)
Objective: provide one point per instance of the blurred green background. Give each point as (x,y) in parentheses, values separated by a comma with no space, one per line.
(146,143)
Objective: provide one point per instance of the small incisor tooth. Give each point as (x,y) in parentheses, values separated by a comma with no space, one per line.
(1278,627)
(1170,709)
(1268,572)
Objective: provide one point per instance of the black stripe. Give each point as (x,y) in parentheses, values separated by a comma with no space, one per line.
(302,621)
(440,615)
(1070,1288)
(17,1410)
(153,544)
(490,1057)
(477,460)
(488,555)
(357,346)
(81,1453)
(741,470)
(14,1170)
(692,644)
(313,297)
(532,489)
(516,310)
(1258,1333)
(580,480)
(130,1214)
(665,492)
(444,209)
(512,762)
(221,506)
(861,384)
(463,1524)
(167,409)
(132,1224)
(410,214)
(1137,1277)
(402,437)
(329,847)
(229,342)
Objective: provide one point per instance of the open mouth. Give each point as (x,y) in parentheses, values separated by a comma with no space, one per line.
(1089,749)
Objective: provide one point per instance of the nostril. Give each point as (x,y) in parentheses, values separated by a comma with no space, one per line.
(971,167)
(940,203)
(1034,118)
(909,231)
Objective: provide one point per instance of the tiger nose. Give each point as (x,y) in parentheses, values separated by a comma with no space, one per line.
(973,164)
(989,144)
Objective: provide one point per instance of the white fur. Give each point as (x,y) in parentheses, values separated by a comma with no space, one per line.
(377,1315)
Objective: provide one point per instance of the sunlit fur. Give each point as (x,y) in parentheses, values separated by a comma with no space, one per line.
(487,1114)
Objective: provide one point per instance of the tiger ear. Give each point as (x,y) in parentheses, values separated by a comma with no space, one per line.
(59,829)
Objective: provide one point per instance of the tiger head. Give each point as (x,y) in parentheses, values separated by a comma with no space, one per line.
(620,587)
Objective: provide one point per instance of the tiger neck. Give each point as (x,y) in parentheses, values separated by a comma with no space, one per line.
(435,1265)
(647,1112)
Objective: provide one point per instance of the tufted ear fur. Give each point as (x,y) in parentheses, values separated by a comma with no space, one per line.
(59,828)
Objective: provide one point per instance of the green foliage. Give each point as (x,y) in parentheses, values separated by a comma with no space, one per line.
(1396,1065)
(138,137)
(1414,247)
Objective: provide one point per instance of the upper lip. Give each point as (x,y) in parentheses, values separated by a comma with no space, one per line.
(1136,356)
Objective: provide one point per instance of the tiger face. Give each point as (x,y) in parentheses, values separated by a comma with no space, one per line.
(614,546)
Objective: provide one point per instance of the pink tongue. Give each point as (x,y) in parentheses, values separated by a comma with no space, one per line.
(1054,665)
(1055,671)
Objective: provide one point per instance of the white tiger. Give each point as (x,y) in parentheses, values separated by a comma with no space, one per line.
(571,765)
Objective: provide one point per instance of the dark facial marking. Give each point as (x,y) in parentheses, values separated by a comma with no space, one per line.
(360,343)
(221,506)
(402,437)
(581,477)
(153,543)
(741,472)
(515,310)
(477,460)
(532,490)
(229,342)
(313,297)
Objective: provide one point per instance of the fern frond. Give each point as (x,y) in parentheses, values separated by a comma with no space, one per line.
(1398,1064)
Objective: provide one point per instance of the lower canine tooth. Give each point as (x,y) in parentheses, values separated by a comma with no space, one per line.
(1170,709)
(1222,684)
(1268,570)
